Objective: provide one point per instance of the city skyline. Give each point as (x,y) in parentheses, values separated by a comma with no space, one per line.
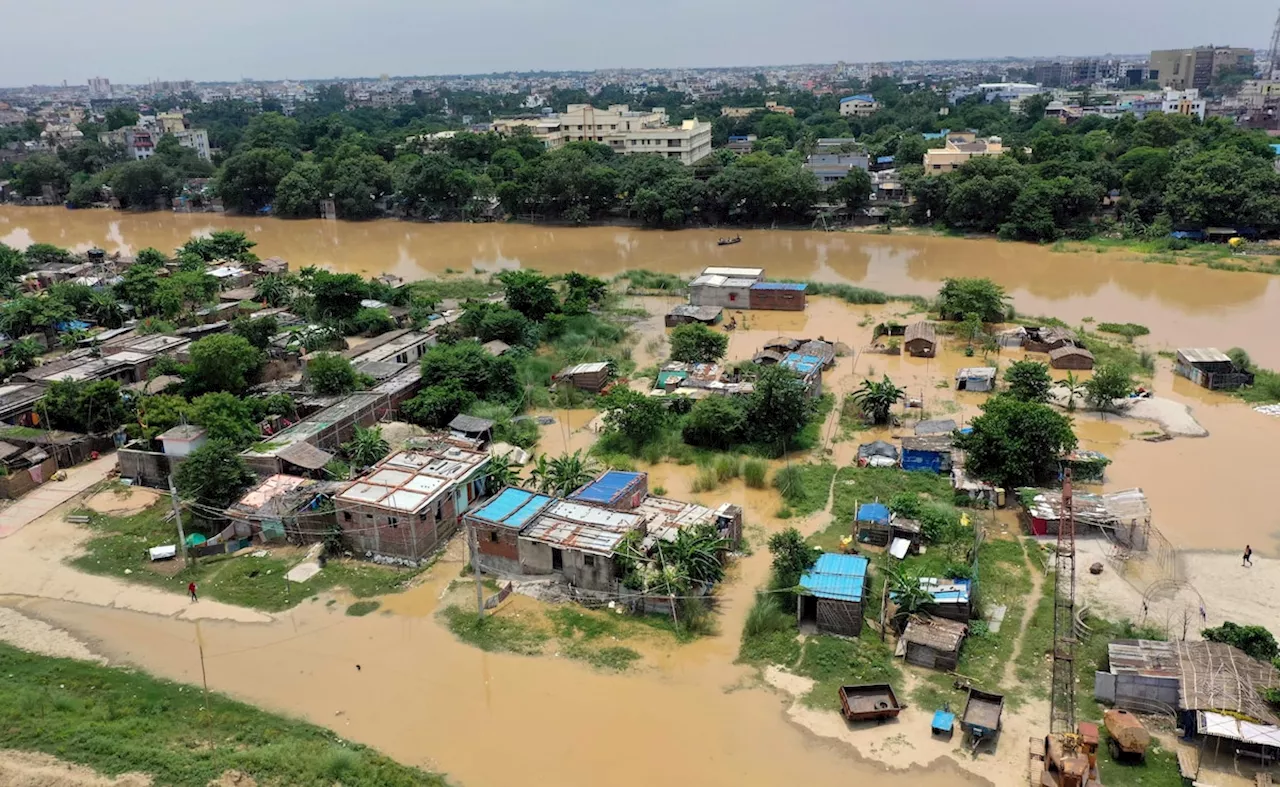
(291,40)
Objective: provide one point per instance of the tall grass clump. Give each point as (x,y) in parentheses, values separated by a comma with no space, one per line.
(706,480)
(727,467)
(754,472)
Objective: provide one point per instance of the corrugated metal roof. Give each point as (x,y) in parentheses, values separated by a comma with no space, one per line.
(944,426)
(1204,355)
(583,368)
(839,577)
(780,285)
(921,330)
(947,591)
(410,480)
(512,508)
(801,364)
(1143,657)
(733,273)
(976,373)
(582,527)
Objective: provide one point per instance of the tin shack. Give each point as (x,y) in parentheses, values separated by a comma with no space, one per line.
(591,377)
(933,642)
(930,453)
(1209,367)
(1071,357)
(832,594)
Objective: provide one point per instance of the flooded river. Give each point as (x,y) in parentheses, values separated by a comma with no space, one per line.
(1182,305)
(688,716)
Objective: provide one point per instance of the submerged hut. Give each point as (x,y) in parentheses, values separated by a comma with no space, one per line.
(1071,357)
(921,339)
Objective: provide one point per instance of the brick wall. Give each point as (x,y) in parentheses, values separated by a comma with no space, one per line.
(377,531)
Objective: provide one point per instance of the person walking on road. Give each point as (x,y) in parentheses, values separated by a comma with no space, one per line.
(191,588)
(1248,555)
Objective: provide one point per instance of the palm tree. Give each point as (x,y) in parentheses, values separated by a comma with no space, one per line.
(697,550)
(1075,389)
(275,289)
(540,475)
(878,399)
(367,447)
(501,473)
(565,473)
(908,595)
(104,309)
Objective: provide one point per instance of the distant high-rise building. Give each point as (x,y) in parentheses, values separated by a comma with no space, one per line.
(99,88)
(1049,74)
(1180,69)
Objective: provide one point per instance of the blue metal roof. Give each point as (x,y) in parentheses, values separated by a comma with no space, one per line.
(959,596)
(780,285)
(839,577)
(938,135)
(608,488)
(1276,149)
(859,97)
(873,512)
(801,364)
(884,159)
(512,508)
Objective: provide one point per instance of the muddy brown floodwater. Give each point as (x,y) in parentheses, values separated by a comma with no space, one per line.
(1183,305)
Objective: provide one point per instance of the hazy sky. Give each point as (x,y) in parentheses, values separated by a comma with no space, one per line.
(137,40)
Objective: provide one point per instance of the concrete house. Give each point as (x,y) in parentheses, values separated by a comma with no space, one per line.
(498,524)
(921,339)
(778,296)
(410,502)
(721,291)
(577,542)
(832,594)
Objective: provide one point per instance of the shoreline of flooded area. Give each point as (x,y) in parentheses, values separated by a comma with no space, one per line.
(1182,305)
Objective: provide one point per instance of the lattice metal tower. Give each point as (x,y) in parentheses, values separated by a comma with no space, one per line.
(1273,54)
(1062,703)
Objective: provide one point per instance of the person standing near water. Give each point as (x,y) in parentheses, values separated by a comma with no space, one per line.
(191,588)
(1248,556)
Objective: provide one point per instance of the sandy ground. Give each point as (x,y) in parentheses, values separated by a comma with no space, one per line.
(1175,418)
(905,742)
(122,502)
(34,563)
(47,497)
(39,637)
(1215,580)
(27,769)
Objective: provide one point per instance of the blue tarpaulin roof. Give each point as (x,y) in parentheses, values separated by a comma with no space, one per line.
(839,577)
(795,286)
(884,159)
(608,488)
(873,512)
(512,508)
(859,97)
(802,364)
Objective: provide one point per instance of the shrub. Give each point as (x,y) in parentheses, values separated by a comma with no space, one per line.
(754,472)
(727,467)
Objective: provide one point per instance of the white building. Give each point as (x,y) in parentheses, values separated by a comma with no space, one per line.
(860,106)
(99,88)
(139,142)
(627,132)
(1183,102)
(1011,93)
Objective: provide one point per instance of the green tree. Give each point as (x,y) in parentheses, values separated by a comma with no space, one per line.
(42,255)
(149,257)
(960,297)
(778,408)
(12,264)
(337,296)
(1016,443)
(792,557)
(567,472)
(121,117)
(213,476)
(27,314)
(274,289)
(637,417)
(86,407)
(225,417)
(221,245)
(184,161)
(22,354)
(357,182)
(854,190)
(1109,382)
(258,331)
(33,174)
(1255,641)
(717,422)
(471,368)
(373,322)
(367,447)
(158,414)
(696,343)
(298,193)
(144,184)
(1074,388)
(248,181)
(330,374)
(436,405)
(529,293)
(104,309)
(271,131)
(876,399)
(502,473)
(222,362)
(1028,381)
(139,287)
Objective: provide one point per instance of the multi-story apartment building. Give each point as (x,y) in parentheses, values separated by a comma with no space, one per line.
(627,132)
(1196,67)
(860,106)
(139,142)
(960,147)
(99,88)
(1183,102)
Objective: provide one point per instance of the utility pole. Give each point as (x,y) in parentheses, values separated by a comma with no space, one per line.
(475,565)
(177,515)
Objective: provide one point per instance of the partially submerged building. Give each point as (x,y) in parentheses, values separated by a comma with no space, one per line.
(779,296)
(807,367)
(724,288)
(1071,357)
(406,505)
(1048,339)
(687,313)
(980,379)
(921,339)
(1209,367)
(832,594)
(577,541)
(931,453)
(591,377)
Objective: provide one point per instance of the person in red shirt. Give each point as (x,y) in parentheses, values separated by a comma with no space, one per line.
(191,588)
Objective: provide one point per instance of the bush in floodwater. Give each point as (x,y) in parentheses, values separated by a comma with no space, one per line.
(754,472)
(706,480)
(727,467)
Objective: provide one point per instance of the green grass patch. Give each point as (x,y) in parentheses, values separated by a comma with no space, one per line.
(769,634)
(120,544)
(614,657)
(495,633)
(1265,388)
(115,721)
(362,608)
(856,485)
(1138,362)
(805,487)
(1129,330)
(833,662)
(647,280)
(755,473)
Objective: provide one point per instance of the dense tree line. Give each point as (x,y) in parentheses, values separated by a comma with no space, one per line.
(1138,177)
